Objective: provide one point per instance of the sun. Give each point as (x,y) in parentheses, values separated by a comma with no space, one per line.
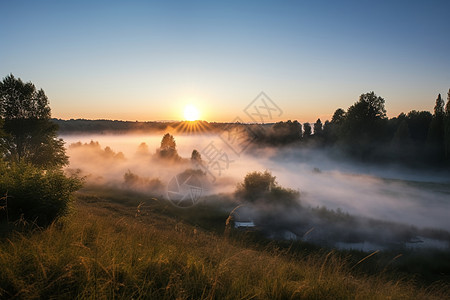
(191,113)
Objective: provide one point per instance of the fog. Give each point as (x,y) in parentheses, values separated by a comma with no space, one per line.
(385,193)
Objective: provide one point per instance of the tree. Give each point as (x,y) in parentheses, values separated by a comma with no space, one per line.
(30,135)
(338,116)
(196,157)
(2,138)
(419,123)
(168,142)
(142,150)
(365,127)
(435,139)
(370,107)
(262,187)
(284,132)
(447,106)
(332,130)
(168,147)
(402,140)
(306,130)
(447,127)
(36,196)
(439,107)
(318,128)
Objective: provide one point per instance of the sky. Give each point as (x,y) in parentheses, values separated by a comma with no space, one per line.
(145,60)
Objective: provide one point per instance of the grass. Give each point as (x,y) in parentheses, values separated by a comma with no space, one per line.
(107,248)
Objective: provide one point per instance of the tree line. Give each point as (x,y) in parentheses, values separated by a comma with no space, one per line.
(365,133)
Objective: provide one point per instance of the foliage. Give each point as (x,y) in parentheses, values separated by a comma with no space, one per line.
(280,133)
(318,128)
(286,132)
(168,149)
(134,181)
(93,150)
(338,116)
(34,194)
(447,128)
(364,123)
(402,138)
(262,187)
(106,252)
(418,124)
(2,137)
(439,106)
(30,135)
(436,132)
(196,157)
(307,131)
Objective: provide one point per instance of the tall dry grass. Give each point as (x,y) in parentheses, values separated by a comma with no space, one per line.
(108,251)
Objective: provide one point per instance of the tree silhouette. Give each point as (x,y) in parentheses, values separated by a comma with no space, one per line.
(435,139)
(306,130)
(168,147)
(447,128)
(447,106)
(196,157)
(401,141)
(30,135)
(419,123)
(285,132)
(318,128)
(332,130)
(338,116)
(364,127)
(439,106)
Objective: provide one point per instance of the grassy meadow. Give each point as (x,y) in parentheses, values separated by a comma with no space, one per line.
(124,245)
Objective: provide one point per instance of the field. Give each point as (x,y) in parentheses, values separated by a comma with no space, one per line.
(122,245)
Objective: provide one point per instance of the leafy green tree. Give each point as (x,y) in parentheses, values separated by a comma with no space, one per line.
(30,135)
(262,187)
(36,195)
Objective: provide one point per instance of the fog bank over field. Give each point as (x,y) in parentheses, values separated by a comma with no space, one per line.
(387,193)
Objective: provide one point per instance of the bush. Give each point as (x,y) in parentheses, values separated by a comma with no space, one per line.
(134,181)
(262,187)
(34,194)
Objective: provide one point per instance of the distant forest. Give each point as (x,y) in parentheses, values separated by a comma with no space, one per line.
(75,126)
(362,132)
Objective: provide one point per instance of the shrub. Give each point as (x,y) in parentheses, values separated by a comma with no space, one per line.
(34,194)
(134,181)
(262,187)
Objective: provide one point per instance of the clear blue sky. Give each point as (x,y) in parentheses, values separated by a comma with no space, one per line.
(142,60)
